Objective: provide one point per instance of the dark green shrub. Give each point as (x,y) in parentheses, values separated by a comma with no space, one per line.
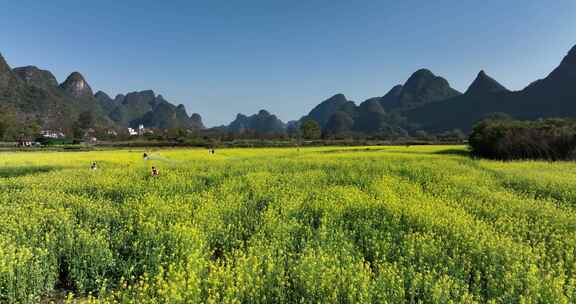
(550,139)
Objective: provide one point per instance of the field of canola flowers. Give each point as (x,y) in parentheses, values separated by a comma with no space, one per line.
(315,225)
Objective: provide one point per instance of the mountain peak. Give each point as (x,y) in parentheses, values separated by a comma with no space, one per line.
(103,94)
(76,85)
(3,64)
(140,99)
(76,76)
(424,87)
(263,122)
(421,79)
(7,78)
(196,121)
(322,112)
(338,96)
(570,58)
(424,73)
(391,98)
(36,77)
(484,84)
(107,103)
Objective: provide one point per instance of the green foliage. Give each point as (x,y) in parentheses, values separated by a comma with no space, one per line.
(13,127)
(309,225)
(455,135)
(506,139)
(82,124)
(310,129)
(55,141)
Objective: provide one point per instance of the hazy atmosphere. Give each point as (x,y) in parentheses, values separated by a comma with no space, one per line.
(220,58)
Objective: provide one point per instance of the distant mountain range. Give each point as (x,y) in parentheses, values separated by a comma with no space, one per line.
(553,96)
(36,94)
(262,122)
(424,102)
(427,102)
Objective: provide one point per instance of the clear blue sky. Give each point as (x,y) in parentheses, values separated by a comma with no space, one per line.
(224,57)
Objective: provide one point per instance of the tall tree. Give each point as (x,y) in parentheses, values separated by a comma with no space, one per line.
(310,129)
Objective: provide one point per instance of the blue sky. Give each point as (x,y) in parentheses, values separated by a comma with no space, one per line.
(224,57)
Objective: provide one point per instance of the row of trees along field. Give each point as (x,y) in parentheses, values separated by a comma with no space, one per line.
(14,127)
(507,139)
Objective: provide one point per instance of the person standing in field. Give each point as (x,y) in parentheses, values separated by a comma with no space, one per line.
(155,172)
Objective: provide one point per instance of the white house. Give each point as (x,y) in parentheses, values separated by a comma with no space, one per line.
(141,130)
(51,134)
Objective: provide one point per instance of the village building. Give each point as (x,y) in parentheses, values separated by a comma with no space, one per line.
(25,141)
(52,134)
(141,130)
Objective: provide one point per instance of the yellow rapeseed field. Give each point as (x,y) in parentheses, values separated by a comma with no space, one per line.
(311,225)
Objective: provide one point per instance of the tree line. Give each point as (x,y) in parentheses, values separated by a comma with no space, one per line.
(15,127)
(504,138)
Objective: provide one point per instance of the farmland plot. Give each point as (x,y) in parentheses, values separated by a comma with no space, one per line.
(309,225)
